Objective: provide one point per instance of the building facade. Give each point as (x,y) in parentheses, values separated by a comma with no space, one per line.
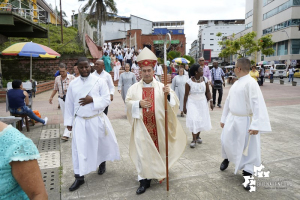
(194,50)
(207,34)
(281,19)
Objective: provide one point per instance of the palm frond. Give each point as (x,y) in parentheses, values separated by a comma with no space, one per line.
(87,6)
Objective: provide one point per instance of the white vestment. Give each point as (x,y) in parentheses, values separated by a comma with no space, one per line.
(244,100)
(94,140)
(149,162)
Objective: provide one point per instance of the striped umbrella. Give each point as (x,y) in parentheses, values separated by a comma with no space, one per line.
(181,60)
(30,49)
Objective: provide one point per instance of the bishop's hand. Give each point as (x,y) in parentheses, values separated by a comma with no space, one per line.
(84,101)
(145,103)
(166,89)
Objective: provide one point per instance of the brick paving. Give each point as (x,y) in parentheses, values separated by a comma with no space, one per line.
(196,175)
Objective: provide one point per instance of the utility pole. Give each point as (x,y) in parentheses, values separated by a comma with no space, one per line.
(61,24)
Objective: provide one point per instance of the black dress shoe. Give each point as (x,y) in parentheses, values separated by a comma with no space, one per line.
(224,165)
(144,184)
(102,168)
(77,183)
(247,187)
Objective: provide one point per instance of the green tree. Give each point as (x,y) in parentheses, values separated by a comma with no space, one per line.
(98,11)
(189,58)
(245,45)
(172,55)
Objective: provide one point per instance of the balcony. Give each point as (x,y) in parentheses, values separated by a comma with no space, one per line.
(22,21)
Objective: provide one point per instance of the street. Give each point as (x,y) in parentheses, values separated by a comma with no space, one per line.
(196,175)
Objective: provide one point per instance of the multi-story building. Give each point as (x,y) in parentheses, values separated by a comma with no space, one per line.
(207,35)
(194,50)
(281,19)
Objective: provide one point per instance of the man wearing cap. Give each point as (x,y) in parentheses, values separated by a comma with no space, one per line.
(145,112)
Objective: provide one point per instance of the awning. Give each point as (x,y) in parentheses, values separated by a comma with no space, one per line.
(161,42)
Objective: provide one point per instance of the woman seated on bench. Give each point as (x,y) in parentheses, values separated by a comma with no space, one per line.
(16,97)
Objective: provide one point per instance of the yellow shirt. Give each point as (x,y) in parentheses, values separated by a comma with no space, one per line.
(254,74)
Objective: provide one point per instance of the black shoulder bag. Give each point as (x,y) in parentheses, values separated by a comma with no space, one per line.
(64,97)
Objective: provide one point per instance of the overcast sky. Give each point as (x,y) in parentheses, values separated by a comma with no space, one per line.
(171,10)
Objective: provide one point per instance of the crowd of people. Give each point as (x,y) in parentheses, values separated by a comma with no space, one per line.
(84,99)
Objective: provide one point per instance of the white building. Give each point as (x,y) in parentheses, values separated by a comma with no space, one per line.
(281,19)
(194,51)
(207,34)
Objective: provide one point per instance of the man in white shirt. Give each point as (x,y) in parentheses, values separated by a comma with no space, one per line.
(128,56)
(271,71)
(100,72)
(159,71)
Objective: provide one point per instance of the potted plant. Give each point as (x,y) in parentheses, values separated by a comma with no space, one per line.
(294,83)
(281,82)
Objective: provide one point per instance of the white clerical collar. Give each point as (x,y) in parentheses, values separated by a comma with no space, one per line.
(84,78)
(147,84)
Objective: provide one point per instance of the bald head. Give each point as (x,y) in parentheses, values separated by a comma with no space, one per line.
(244,64)
(99,66)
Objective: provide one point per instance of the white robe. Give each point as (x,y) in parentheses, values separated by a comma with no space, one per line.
(178,85)
(117,71)
(94,140)
(244,99)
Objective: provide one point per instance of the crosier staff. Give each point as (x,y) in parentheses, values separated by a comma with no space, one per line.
(166,41)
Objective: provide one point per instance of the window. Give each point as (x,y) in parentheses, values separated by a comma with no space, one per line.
(268,30)
(282,25)
(211,33)
(296,2)
(281,8)
(211,44)
(211,39)
(248,14)
(249,25)
(265,2)
(295,46)
(274,47)
(282,48)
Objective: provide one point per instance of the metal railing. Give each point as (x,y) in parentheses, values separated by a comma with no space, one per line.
(26,11)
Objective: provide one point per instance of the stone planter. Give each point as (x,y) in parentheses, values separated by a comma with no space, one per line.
(271,80)
(281,82)
(294,83)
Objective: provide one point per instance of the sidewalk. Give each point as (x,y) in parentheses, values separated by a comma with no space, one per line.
(196,175)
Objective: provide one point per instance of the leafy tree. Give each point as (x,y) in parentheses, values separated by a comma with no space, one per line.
(189,58)
(245,45)
(172,55)
(98,11)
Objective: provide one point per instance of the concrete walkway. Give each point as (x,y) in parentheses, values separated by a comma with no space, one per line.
(196,175)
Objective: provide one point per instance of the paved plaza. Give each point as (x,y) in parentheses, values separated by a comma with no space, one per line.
(196,175)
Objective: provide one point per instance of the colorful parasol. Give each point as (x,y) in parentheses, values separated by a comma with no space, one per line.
(181,60)
(30,49)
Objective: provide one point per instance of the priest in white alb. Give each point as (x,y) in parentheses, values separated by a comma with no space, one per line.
(244,118)
(94,140)
(146,114)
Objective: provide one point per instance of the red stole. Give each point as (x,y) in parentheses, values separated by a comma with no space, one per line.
(149,114)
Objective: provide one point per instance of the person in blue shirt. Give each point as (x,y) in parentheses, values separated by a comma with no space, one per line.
(19,170)
(120,58)
(17,98)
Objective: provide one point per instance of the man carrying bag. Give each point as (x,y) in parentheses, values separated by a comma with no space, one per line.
(217,82)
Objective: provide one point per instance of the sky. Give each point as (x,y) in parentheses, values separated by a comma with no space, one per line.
(171,10)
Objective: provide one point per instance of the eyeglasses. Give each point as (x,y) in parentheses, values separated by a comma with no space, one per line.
(201,60)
